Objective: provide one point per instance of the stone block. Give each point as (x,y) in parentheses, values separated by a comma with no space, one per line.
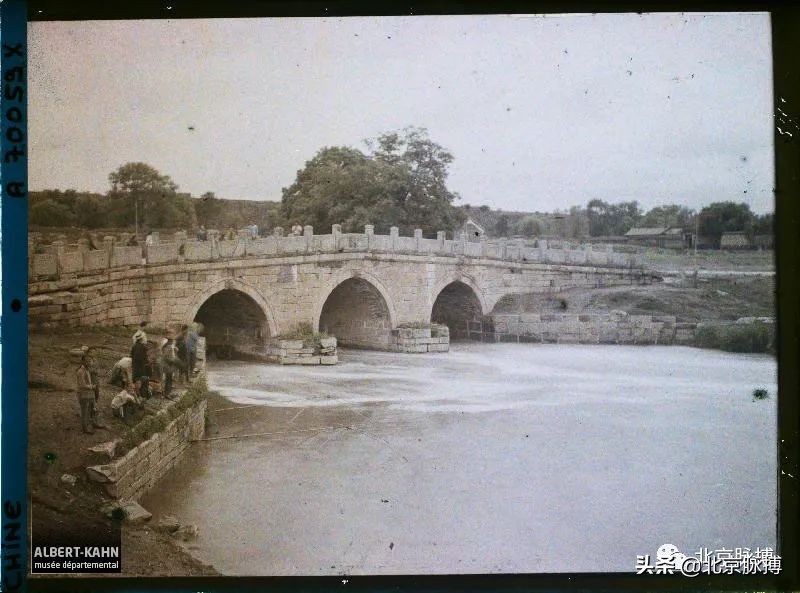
(328,360)
(328,342)
(291,344)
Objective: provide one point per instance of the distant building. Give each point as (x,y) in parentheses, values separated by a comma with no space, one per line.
(473,230)
(734,240)
(670,237)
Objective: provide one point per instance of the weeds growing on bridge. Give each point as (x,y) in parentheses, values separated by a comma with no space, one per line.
(304,331)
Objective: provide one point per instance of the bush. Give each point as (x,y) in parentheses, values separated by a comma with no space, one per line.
(760,393)
(51,213)
(739,337)
(150,425)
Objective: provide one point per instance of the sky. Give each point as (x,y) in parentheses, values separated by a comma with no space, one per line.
(539,112)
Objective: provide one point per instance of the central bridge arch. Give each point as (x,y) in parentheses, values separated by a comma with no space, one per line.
(235,318)
(458,301)
(358,310)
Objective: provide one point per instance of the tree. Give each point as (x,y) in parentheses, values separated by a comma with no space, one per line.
(501,226)
(668,215)
(139,191)
(90,211)
(49,212)
(529,226)
(763,224)
(576,223)
(611,219)
(724,217)
(400,182)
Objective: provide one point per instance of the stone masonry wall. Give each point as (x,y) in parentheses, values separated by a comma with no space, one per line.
(614,328)
(298,352)
(130,476)
(419,340)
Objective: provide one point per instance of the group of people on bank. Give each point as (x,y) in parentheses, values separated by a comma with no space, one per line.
(151,369)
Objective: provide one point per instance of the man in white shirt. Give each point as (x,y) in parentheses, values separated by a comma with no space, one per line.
(123,404)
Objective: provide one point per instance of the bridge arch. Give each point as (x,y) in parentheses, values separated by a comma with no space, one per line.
(458,300)
(235,316)
(356,308)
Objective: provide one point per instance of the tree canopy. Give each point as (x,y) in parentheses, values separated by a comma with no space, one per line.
(400,181)
(159,204)
(724,217)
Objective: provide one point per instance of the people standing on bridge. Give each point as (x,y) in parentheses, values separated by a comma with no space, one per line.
(202,234)
(297,229)
(139,365)
(85,393)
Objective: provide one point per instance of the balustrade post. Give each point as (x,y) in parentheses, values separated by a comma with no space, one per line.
(244,238)
(418,240)
(369,232)
(394,233)
(108,247)
(543,249)
(336,231)
(440,238)
(83,249)
(308,233)
(59,252)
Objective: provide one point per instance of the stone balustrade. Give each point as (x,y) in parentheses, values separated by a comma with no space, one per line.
(60,260)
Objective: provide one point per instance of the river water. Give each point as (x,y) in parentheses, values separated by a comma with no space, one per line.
(489,458)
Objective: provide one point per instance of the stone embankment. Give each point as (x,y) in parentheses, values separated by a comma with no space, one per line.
(435,338)
(306,352)
(616,327)
(132,475)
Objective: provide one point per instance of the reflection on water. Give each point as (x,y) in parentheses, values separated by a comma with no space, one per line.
(503,457)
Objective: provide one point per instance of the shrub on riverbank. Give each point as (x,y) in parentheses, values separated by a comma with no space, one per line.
(150,425)
(754,337)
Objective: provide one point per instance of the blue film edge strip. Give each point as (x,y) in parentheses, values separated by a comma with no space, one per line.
(14,338)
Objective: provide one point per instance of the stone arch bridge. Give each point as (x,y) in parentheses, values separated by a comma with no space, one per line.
(356,286)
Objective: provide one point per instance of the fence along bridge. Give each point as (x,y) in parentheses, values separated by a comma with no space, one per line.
(356,286)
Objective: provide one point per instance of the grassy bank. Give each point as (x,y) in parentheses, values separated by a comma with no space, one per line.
(754,337)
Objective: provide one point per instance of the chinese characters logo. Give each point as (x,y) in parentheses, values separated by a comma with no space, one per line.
(670,560)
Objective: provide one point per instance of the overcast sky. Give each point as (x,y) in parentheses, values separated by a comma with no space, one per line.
(539,112)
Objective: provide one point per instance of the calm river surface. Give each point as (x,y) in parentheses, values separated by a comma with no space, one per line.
(492,457)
